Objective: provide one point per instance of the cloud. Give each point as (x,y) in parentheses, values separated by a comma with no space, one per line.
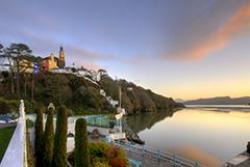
(88,65)
(235,26)
(87,54)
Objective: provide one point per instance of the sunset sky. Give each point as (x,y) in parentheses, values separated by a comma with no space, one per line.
(180,48)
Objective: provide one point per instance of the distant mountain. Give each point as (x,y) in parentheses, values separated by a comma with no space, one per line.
(225,100)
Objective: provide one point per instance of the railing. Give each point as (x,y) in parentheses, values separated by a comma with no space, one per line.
(16,155)
(166,157)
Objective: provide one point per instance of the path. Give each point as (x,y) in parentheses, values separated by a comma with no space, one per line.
(150,157)
(7,125)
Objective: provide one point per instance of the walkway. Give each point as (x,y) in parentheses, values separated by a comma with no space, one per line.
(7,125)
(155,158)
(15,155)
(241,160)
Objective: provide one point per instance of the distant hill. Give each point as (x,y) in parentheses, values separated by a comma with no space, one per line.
(225,100)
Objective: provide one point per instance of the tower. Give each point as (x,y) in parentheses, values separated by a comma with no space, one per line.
(61,62)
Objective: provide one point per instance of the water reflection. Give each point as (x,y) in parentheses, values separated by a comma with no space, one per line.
(212,137)
(195,153)
(141,122)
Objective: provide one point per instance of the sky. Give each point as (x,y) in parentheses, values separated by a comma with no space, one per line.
(182,49)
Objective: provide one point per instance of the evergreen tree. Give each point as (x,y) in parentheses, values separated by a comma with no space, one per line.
(39,135)
(48,139)
(60,140)
(81,143)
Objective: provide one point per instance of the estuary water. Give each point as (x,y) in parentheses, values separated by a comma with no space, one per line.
(210,135)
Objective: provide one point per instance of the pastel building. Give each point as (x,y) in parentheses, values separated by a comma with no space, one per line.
(26,66)
(52,62)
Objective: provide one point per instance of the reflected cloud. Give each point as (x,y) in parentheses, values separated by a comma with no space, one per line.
(195,153)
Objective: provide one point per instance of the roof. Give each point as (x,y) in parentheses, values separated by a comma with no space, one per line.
(50,57)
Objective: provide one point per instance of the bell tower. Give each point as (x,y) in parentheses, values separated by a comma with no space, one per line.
(61,58)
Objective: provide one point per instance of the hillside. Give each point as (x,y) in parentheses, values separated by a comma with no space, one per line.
(220,101)
(137,99)
(82,95)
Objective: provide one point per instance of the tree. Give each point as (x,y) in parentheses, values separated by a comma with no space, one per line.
(48,139)
(60,140)
(17,51)
(81,143)
(1,49)
(39,136)
(4,52)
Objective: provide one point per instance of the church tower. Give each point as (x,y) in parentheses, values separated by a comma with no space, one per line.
(61,58)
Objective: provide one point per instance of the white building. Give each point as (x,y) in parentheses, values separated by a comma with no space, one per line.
(100,73)
(93,75)
(102,92)
(6,63)
(62,70)
(82,72)
(112,101)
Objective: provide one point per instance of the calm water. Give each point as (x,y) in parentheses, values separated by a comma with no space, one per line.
(209,135)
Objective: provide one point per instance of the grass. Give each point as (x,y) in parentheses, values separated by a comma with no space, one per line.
(5,136)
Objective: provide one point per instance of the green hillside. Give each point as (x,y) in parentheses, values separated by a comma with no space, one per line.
(136,99)
(82,96)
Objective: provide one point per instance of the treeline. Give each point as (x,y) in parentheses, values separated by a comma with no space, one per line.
(13,55)
(79,95)
(83,97)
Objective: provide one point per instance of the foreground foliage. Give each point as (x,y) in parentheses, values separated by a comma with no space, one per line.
(48,139)
(8,106)
(104,155)
(60,140)
(81,144)
(39,136)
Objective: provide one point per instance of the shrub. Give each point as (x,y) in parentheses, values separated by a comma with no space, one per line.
(48,139)
(81,144)
(39,136)
(8,106)
(117,157)
(104,155)
(60,140)
(98,149)
(118,162)
(100,164)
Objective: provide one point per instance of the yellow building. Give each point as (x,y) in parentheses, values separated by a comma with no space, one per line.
(25,66)
(51,62)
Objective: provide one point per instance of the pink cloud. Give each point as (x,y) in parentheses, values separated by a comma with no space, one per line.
(235,26)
